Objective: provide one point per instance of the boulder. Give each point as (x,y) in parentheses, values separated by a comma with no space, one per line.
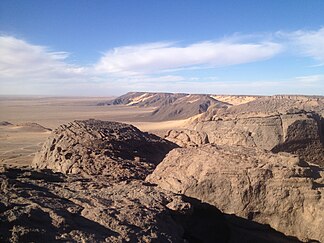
(276,189)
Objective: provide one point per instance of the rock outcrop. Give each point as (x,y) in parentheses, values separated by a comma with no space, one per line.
(144,99)
(185,107)
(32,127)
(115,150)
(186,137)
(42,206)
(277,189)
(272,123)
(280,104)
(243,166)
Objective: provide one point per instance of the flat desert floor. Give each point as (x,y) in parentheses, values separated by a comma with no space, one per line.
(20,141)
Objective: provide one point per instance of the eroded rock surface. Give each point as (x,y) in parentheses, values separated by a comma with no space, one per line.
(115,150)
(42,206)
(277,189)
(276,124)
(186,137)
(99,196)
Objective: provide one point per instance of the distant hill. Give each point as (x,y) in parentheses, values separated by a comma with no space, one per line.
(169,106)
(174,106)
(143,99)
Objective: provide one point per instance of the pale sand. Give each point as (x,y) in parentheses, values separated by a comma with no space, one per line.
(18,144)
(158,126)
(51,112)
(234,99)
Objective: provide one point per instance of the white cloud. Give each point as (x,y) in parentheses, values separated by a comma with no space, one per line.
(159,57)
(27,68)
(21,60)
(310,79)
(307,43)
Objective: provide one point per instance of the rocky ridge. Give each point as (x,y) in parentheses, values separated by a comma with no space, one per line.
(168,106)
(5,123)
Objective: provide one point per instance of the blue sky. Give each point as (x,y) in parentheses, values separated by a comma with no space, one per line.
(112,47)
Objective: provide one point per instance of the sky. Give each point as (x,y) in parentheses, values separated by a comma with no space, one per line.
(110,47)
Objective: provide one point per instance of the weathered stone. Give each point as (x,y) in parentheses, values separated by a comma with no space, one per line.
(275,124)
(276,189)
(42,206)
(115,150)
(186,137)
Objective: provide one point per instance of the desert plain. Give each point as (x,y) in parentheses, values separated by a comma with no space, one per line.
(20,141)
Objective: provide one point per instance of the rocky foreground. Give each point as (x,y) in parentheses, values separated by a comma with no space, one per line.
(276,189)
(98,194)
(251,172)
(42,206)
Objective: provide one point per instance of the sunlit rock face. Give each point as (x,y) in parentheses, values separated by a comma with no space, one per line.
(277,189)
(279,123)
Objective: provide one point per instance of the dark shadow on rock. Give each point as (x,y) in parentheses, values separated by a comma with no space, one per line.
(45,174)
(244,230)
(207,224)
(153,149)
(305,141)
(41,215)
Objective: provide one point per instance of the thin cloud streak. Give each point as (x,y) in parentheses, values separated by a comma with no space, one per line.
(310,80)
(306,43)
(159,57)
(311,43)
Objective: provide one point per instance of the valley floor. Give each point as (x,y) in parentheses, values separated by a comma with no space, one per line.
(20,141)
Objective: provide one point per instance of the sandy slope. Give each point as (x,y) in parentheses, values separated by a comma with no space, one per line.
(234,99)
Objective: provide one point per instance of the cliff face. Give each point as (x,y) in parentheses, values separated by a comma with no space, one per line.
(300,133)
